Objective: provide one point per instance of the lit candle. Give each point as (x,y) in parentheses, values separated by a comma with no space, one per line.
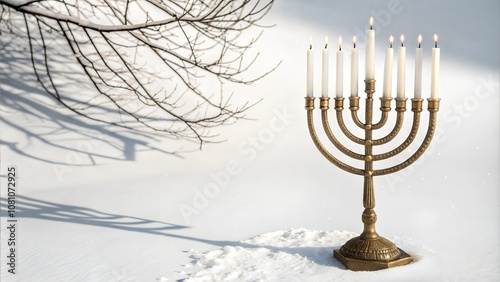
(435,69)
(370,52)
(401,69)
(325,56)
(340,70)
(389,58)
(418,69)
(354,69)
(310,66)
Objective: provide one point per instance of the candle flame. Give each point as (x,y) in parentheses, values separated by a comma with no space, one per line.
(354,40)
(402,38)
(326,42)
(435,40)
(310,42)
(340,43)
(419,40)
(391,40)
(371,22)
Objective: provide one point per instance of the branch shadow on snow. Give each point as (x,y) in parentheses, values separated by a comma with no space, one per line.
(28,207)
(59,123)
(55,124)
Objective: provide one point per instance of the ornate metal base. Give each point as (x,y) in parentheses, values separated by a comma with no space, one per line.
(369,251)
(375,248)
(385,255)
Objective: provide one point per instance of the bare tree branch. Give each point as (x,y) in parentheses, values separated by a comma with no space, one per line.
(150,60)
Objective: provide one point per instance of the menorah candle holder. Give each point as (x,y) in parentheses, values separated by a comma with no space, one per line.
(369,251)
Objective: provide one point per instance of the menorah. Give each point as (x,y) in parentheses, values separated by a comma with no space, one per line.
(369,251)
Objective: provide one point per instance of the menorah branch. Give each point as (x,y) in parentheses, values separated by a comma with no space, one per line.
(326,126)
(433,108)
(385,108)
(354,107)
(400,109)
(393,133)
(339,107)
(309,105)
(416,109)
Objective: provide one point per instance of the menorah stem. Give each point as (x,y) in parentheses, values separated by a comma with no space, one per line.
(369,217)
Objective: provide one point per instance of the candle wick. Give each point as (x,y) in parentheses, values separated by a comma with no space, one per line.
(419,45)
(390,45)
(435,44)
(354,44)
(402,44)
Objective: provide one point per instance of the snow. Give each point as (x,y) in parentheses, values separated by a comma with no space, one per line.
(294,254)
(102,204)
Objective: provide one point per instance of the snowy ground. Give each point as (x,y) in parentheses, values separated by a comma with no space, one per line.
(100,204)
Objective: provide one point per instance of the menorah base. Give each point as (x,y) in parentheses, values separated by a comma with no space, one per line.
(360,254)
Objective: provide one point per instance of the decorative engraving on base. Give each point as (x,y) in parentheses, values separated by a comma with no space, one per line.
(379,249)
(371,265)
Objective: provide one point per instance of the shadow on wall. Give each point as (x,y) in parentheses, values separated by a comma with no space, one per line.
(57,124)
(28,207)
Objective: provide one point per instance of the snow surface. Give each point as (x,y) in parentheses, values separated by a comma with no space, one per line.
(102,204)
(294,254)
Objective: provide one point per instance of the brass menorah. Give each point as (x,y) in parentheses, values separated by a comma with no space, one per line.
(369,251)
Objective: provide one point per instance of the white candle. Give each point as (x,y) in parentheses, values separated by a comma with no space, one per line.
(310,66)
(325,70)
(401,69)
(340,71)
(435,70)
(370,52)
(418,69)
(389,58)
(354,69)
